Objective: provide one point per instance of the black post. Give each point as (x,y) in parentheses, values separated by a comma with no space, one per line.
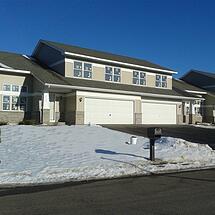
(152,149)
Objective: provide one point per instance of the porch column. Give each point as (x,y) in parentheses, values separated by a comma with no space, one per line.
(192,112)
(46,108)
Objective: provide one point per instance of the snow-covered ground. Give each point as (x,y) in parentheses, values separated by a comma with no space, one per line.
(204,126)
(41,154)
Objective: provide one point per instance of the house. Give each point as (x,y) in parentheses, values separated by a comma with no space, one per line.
(205,81)
(64,83)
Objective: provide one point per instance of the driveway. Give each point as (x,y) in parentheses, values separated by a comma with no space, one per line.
(190,193)
(186,132)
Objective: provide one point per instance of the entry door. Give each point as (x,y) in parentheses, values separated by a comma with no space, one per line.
(108,111)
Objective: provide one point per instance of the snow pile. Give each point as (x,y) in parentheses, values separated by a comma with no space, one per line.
(41,154)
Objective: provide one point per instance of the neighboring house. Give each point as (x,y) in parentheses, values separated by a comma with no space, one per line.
(81,86)
(206,81)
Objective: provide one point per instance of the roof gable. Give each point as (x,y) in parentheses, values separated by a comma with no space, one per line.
(102,55)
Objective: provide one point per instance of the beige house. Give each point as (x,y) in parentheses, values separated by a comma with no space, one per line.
(63,83)
(205,81)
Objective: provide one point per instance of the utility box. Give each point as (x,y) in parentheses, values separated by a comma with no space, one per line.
(154,133)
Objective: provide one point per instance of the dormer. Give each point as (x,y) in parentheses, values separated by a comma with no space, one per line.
(76,62)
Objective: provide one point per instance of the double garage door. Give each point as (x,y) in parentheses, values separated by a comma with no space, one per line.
(110,111)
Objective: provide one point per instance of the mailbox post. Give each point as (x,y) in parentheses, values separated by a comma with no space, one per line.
(153,134)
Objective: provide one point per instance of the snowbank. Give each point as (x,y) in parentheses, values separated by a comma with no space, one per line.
(42,154)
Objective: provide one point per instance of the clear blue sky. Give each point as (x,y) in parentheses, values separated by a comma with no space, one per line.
(179,34)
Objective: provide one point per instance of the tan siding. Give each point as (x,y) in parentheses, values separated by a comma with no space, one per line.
(17,80)
(150,80)
(80,103)
(0,102)
(126,77)
(68,69)
(138,106)
(98,73)
(169,83)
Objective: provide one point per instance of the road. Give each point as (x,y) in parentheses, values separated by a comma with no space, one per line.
(182,193)
(186,132)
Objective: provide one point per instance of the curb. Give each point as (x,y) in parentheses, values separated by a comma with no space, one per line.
(93,179)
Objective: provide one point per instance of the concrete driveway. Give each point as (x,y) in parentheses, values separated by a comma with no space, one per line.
(186,132)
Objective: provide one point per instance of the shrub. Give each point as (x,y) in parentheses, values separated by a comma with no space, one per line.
(27,122)
(3,123)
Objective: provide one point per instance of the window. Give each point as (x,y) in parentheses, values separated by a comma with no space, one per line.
(187,110)
(77,69)
(116,75)
(87,70)
(161,81)
(6,102)
(15,104)
(197,110)
(6,87)
(139,78)
(23,103)
(82,69)
(108,73)
(112,74)
(15,88)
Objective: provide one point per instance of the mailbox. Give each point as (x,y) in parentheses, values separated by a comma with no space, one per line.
(154,133)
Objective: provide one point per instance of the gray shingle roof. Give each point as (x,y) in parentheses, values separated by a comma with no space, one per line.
(46,75)
(103,55)
(179,84)
(210,75)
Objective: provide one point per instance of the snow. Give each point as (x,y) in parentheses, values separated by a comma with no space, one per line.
(47,154)
(209,126)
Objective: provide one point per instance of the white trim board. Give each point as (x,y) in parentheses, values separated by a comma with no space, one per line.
(118,62)
(120,92)
(5,66)
(196,92)
(107,96)
(15,71)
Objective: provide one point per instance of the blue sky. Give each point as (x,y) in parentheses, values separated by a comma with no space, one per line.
(178,34)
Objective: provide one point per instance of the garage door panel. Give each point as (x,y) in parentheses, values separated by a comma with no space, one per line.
(107,111)
(158,113)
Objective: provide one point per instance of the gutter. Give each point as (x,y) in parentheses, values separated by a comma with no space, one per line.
(15,70)
(119,91)
(118,62)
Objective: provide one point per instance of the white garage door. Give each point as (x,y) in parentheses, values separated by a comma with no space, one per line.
(108,111)
(158,113)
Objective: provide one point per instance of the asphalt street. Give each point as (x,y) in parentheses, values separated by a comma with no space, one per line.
(186,132)
(182,193)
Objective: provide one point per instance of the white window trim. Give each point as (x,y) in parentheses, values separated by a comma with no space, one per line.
(18,110)
(120,78)
(161,82)
(15,92)
(82,70)
(139,78)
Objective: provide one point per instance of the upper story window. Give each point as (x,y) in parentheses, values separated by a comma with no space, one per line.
(112,74)
(15,88)
(82,69)
(139,78)
(87,70)
(161,81)
(6,87)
